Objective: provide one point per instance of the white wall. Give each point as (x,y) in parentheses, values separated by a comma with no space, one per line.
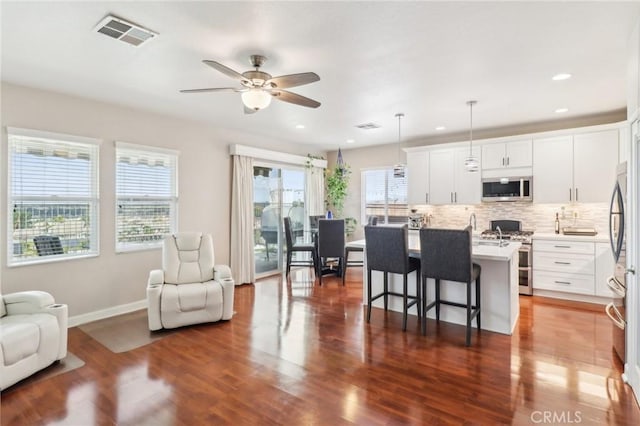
(204,181)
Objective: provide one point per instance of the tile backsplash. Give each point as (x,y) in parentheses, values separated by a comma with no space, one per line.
(534,217)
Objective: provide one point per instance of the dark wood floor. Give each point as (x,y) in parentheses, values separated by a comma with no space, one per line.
(299,354)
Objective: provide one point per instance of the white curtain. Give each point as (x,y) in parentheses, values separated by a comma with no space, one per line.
(314,192)
(242,243)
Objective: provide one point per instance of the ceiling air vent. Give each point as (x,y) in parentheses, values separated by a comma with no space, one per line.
(122,30)
(368,126)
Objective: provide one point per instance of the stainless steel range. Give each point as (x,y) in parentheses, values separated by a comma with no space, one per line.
(512,230)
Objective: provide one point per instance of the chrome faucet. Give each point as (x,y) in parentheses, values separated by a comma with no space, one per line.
(473,216)
(499,236)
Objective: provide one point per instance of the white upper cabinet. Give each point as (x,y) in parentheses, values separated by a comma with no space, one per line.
(514,154)
(595,157)
(418,177)
(552,169)
(578,168)
(450,183)
(441,176)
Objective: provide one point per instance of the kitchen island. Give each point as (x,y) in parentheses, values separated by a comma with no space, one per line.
(499,286)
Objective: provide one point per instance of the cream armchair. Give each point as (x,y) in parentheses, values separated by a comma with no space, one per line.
(189,289)
(33,334)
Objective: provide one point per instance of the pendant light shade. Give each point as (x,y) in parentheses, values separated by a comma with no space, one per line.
(399,169)
(471,163)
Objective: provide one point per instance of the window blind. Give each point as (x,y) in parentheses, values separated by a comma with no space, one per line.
(53,193)
(146,192)
(385,196)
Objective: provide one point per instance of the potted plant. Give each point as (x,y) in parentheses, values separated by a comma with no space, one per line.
(336,185)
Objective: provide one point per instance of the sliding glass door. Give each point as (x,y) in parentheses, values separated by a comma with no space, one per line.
(278,192)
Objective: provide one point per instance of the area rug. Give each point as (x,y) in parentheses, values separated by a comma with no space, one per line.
(125,332)
(68,363)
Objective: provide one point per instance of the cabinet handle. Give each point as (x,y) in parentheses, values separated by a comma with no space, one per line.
(451,196)
(562,246)
(426,197)
(570,195)
(616,317)
(563,263)
(455,197)
(576,194)
(503,161)
(507,161)
(563,282)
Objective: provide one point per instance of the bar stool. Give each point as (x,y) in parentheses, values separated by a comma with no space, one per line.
(387,250)
(292,247)
(445,254)
(373,221)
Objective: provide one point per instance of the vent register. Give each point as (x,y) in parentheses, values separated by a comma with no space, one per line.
(124,31)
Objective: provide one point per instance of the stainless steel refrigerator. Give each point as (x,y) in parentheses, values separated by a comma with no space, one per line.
(618,224)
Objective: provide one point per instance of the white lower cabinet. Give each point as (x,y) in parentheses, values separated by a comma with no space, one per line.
(566,266)
(578,267)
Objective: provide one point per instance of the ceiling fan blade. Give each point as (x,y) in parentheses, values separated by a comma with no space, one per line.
(226,70)
(212,89)
(294,98)
(293,80)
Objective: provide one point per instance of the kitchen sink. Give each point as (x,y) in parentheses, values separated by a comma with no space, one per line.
(492,243)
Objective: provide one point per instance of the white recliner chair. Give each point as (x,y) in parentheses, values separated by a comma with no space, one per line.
(33,334)
(190,288)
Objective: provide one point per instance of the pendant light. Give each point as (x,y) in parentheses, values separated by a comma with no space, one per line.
(471,163)
(340,161)
(399,168)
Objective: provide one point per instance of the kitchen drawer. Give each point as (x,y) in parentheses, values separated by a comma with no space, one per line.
(565,262)
(578,247)
(558,281)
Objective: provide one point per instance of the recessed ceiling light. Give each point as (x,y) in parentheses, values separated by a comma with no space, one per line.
(299,126)
(350,141)
(561,110)
(440,128)
(561,76)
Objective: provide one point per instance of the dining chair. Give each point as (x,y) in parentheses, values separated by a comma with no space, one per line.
(445,254)
(293,247)
(331,241)
(387,250)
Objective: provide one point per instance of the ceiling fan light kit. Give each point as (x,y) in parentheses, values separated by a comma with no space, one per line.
(258,87)
(256,99)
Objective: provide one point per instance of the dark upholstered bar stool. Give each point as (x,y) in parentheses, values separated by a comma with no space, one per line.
(292,247)
(445,254)
(373,221)
(331,242)
(388,251)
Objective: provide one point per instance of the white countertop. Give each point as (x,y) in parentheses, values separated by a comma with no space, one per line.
(601,237)
(480,252)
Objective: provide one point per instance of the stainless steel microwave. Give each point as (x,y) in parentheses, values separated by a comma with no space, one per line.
(507,189)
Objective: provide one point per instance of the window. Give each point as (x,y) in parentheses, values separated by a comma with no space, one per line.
(52,196)
(384,196)
(146,195)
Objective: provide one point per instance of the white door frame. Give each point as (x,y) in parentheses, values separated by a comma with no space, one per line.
(632,365)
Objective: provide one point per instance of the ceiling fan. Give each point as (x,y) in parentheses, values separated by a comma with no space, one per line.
(258,87)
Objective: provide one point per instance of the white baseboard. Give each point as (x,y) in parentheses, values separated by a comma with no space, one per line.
(572,296)
(106,313)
